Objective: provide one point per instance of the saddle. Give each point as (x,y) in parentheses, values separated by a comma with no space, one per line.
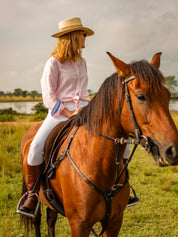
(53,144)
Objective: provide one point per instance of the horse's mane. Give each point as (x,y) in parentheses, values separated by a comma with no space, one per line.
(148,75)
(102,104)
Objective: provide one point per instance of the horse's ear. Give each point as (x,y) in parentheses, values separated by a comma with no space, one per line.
(122,68)
(156,60)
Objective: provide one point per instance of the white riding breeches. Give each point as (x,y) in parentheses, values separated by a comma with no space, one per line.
(36,152)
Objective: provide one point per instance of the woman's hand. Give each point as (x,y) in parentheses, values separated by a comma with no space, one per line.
(77,110)
(69,113)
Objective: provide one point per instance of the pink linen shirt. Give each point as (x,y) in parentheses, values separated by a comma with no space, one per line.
(65,82)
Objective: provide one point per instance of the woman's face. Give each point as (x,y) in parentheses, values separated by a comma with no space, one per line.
(82,38)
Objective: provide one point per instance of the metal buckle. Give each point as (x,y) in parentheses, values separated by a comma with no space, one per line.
(145,145)
(32,215)
(115,186)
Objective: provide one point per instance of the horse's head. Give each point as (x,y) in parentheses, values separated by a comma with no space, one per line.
(150,105)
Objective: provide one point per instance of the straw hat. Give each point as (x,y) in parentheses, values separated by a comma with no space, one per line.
(70,25)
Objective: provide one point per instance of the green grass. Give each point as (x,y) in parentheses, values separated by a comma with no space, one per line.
(22,117)
(157,212)
(155,215)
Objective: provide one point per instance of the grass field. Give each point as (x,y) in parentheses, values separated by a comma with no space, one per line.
(155,215)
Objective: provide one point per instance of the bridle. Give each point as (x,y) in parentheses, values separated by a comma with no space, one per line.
(138,139)
(129,103)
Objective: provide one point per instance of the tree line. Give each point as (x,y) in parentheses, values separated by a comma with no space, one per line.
(33,94)
(171,84)
(20,92)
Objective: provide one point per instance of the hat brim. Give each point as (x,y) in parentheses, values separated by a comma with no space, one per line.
(88,31)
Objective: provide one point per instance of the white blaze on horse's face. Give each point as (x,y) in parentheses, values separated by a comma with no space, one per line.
(150,105)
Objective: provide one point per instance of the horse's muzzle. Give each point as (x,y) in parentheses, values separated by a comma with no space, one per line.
(162,155)
(171,154)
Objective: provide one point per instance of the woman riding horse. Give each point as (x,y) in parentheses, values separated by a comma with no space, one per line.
(64,89)
(91,181)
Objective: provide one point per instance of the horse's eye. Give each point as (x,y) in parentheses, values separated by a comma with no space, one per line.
(142,97)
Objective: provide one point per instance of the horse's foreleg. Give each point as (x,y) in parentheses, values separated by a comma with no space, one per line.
(79,229)
(37,222)
(51,220)
(113,227)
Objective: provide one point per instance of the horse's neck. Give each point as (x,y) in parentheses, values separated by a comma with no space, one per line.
(112,129)
(103,154)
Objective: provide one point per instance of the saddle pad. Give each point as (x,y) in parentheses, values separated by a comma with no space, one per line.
(55,139)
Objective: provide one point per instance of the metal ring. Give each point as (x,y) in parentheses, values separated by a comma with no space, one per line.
(122,140)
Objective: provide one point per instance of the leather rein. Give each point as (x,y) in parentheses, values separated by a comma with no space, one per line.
(116,187)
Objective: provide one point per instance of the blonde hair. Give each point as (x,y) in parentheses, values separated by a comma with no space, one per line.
(68,47)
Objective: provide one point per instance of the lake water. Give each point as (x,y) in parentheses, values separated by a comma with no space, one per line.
(20,107)
(173,105)
(25,107)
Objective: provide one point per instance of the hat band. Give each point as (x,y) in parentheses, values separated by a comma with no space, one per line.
(70,27)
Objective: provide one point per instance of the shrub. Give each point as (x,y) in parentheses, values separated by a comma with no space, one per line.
(7,115)
(7,111)
(39,108)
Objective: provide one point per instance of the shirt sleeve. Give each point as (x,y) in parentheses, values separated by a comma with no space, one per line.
(58,107)
(49,84)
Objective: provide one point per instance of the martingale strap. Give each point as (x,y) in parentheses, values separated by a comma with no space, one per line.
(115,189)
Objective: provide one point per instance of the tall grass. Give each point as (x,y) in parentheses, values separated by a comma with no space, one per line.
(10,178)
(19,98)
(155,215)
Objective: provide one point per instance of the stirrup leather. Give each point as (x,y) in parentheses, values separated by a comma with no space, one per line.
(21,201)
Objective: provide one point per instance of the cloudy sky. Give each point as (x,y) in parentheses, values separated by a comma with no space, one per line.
(129,29)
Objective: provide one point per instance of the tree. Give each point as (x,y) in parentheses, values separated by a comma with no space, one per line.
(18,92)
(24,93)
(34,93)
(90,92)
(171,83)
(2,93)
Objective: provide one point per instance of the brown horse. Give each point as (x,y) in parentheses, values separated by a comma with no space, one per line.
(89,183)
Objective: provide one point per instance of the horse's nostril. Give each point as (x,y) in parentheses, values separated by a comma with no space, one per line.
(172,151)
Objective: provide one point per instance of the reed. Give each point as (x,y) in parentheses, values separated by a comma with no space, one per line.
(19,98)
